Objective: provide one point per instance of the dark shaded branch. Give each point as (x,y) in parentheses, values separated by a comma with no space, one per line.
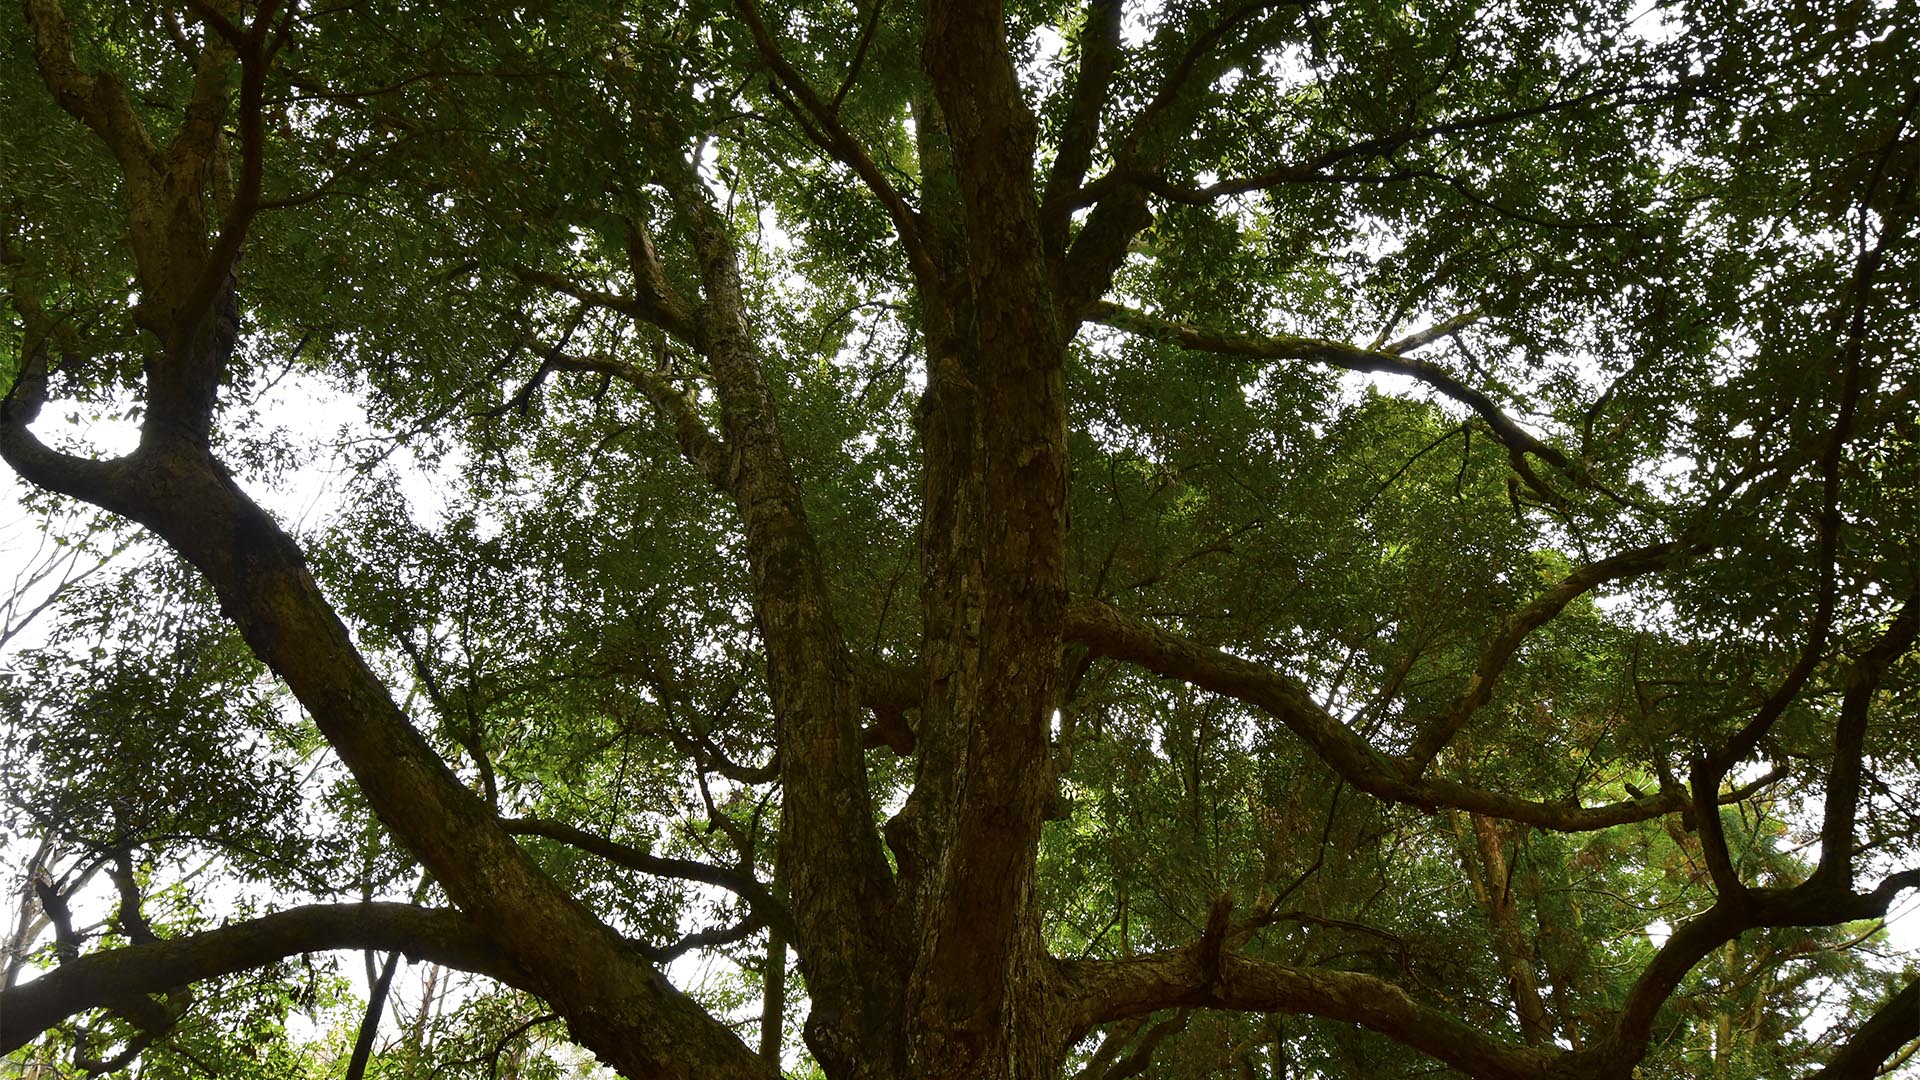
(1112,633)
(103,979)
(703,939)
(1894,1024)
(1333,354)
(1437,731)
(741,884)
(1141,1056)
(1102,990)
(859,56)
(370,1019)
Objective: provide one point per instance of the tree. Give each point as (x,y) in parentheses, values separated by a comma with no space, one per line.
(909,498)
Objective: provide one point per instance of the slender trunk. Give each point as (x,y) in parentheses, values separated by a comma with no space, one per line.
(1487,866)
(370,1021)
(773,1001)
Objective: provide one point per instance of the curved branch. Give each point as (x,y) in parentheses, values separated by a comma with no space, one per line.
(702,447)
(1437,731)
(764,904)
(1110,632)
(103,979)
(1333,354)
(1104,990)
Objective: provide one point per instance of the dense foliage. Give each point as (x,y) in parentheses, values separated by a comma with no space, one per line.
(860,540)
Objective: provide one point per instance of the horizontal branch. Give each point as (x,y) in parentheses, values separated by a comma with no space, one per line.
(1105,990)
(1334,354)
(102,979)
(745,886)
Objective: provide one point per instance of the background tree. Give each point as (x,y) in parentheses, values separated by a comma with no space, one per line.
(895,491)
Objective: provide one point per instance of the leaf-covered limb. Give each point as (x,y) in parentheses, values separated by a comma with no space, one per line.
(1112,633)
(826,128)
(1439,730)
(765,905)
(1333,354)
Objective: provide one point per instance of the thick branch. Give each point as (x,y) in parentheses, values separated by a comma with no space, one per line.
(255,58)
(1101,991)
(98,101)
(1850,732)
(102,979)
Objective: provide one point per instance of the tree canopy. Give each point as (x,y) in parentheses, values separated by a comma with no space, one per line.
(874,540)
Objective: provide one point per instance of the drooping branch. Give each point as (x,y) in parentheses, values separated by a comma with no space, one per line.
(757,895)
(1109,632)
(102,980)
(1334,354)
